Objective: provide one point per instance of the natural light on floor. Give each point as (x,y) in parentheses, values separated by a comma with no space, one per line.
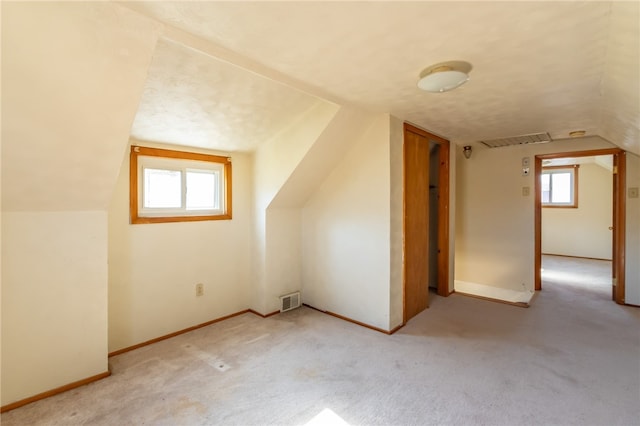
(327,417)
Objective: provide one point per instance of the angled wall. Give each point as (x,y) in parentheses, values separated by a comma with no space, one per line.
(346,232)
(72,77)
(273,163)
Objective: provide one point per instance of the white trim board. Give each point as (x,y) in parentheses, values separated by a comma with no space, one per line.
(490,292)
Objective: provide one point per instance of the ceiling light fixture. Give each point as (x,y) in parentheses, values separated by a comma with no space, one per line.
(466,150)
(444,76)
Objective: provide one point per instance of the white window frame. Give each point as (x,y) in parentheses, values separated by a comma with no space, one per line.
(152,158)
(573,171)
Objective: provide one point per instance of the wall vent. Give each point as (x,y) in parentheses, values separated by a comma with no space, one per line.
(290,301)
(518,140)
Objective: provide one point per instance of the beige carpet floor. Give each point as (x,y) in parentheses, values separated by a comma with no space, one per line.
(572,358)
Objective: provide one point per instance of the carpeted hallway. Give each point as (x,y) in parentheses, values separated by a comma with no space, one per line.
(573,357)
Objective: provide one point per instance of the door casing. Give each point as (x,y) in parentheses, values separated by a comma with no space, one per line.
(443,215)
(618,217)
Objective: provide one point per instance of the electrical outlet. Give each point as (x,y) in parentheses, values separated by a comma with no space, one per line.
(633,192)
(525,191)
(200,289)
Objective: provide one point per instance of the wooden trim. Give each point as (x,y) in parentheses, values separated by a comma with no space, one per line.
(589,153)
(361,324)
(264,315)
(136,151)
(443,220)
(443,213)
(55,391)
(491,299)
(418,131)
(177,333)
(618,219)
(575,257)
(393,330)
(181,155)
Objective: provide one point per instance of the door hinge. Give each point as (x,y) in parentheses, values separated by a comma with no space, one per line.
(615,170)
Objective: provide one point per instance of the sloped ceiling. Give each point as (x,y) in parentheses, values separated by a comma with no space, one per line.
(72,77)
(538,66)
(194,99)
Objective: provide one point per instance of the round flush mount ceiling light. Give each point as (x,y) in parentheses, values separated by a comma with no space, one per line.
(444,76)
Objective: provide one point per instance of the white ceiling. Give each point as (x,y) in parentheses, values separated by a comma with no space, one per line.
(193,99)
(537,67)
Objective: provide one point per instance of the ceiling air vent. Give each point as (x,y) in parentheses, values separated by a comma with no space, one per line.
(518,140)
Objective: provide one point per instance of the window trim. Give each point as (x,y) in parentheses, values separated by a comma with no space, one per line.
(134,187)
(574,168)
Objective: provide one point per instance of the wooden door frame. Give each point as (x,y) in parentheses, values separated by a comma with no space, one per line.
(618,216)
(443,213)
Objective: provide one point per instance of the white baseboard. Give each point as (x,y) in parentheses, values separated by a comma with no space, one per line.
(490,292)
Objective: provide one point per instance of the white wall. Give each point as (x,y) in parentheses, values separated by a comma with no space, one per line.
(582,231)
(72,76)
(346,233)
(54,300)
(153,268)
(273,163)
(283,262)
(495,222)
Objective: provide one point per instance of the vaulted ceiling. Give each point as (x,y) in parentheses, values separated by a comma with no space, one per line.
(241,71)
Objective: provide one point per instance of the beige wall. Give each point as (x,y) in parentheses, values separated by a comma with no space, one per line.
(495,222)
(65,127)
(273,163)
(396,288)
(154,268)
(582,231)
(54,300)
(346,233)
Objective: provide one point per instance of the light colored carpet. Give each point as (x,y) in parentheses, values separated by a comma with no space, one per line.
(573,357)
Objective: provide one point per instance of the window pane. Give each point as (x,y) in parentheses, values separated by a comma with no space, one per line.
(545,188)
(561,188)
(162,188)
(202,186)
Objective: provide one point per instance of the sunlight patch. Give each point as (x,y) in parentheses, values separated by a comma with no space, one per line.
(327,417)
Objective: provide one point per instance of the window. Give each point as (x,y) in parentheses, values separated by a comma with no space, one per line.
(559,186)
(176,186)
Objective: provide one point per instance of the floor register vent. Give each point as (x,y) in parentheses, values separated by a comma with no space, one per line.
(290,301)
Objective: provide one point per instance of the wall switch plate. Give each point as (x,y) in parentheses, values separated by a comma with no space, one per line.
(525,191)
(633,192)
(200,289)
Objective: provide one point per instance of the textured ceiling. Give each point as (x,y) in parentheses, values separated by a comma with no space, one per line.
(537,66)
(193,99)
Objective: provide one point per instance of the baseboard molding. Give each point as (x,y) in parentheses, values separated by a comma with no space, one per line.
(264,315)
(575,257)
(177,333)
(55,391)
(361,324)
(491,299)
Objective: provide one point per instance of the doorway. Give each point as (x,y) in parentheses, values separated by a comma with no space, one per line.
(617,204)
(425,218)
